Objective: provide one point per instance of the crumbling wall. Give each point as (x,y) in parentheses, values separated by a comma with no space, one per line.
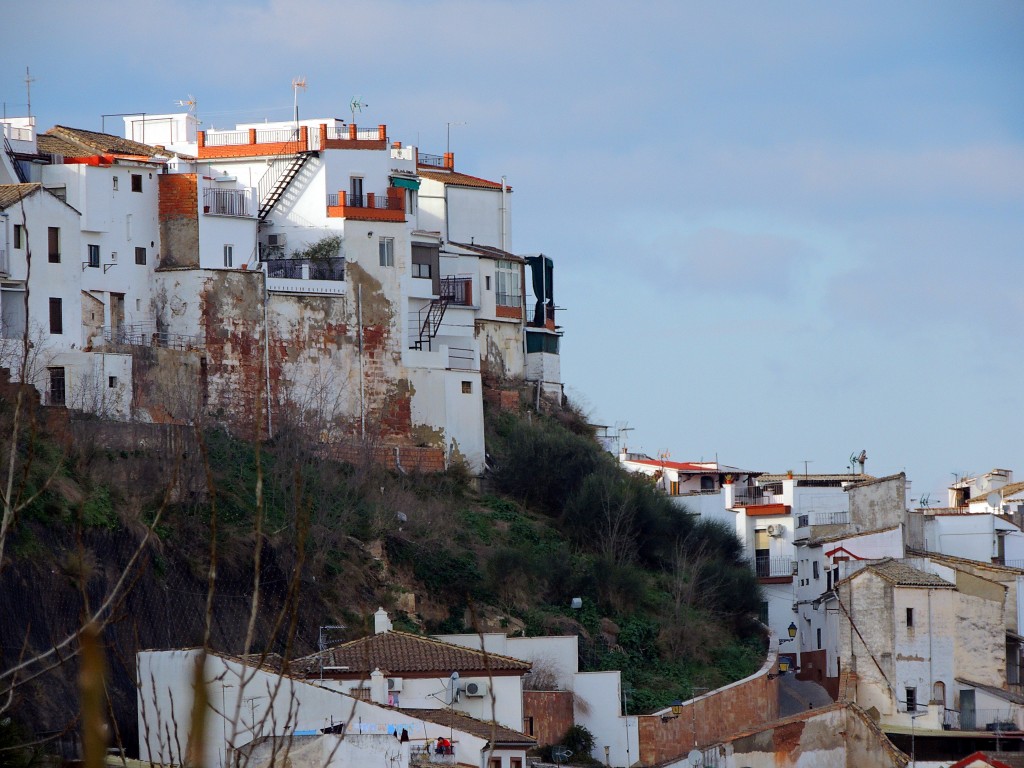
(179,220)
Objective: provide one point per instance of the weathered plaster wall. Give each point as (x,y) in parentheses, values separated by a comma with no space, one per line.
(868,642)
(551,715)
(980,647)
(179,220)
(876,504)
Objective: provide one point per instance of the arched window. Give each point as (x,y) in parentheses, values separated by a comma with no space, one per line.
(939,693)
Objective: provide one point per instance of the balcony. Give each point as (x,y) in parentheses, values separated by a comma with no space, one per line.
(350,137)
(389,206)
(757,495)
(775,569)
(830,518)
(226,202)
(325,275)
(253,142)
(458,290)
(149,335)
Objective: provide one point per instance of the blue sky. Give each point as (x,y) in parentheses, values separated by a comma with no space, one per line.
(782,232)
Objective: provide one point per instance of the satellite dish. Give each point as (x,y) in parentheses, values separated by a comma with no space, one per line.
(560,753)
(695,757)
(993,499)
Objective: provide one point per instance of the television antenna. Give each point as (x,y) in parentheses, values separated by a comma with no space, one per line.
(298,83)
(190,102)
(356,105)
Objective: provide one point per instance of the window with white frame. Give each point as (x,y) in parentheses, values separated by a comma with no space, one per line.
(506,278)
(386,247)
(229,255)
(94,255)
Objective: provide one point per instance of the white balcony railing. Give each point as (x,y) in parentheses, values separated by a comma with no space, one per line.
(226,202)
(5,263)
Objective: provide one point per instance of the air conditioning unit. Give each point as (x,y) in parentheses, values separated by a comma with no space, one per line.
(776,530)
(475,688)
(277,240)
(394,685)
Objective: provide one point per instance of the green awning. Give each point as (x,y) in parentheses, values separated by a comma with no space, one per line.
(398,181)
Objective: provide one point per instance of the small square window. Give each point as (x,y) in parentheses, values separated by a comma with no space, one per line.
(115,183)
(136,182)
(467,387)
(140,255)
(94,255)
(229,255)
(113,256)
(111,382)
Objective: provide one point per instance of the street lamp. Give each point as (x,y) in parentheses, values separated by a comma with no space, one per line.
(791,629)
(913,717)
(677,707)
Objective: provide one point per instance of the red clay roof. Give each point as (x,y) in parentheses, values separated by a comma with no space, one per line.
(471,725)
(459,179)
(396,653)
(77,142)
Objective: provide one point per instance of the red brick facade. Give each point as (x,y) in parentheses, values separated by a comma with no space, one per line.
(178,196)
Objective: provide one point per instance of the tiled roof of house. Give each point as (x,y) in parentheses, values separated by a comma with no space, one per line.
(1015,698)
(77,142)
(13,193)
(1008,570)
(480,728)
(696,467)
(848,536)
(1005,492)
(903,575)
(459,179)
(397,653)
(488,251)
(843,478)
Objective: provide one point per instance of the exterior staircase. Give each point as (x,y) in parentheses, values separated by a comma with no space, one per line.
(432,315)
(18,170)
(276,180)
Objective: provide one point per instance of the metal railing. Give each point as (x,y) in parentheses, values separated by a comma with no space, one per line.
(766,567)
(754,496)
(458,290)
(149,335)
(330,268)
(5,262)
(226,138)
(802,521)
(951,719)
(226,202)
(509,299)
(375,201)
(831,518)
(461,358)
(362,134)
(435,161)
(276,135)
(17,134)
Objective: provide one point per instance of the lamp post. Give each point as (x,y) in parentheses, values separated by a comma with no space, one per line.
(913,718)
(693,708)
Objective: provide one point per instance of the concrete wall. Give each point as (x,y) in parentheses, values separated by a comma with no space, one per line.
(880,503)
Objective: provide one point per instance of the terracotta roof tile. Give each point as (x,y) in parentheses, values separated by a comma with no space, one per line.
(77,142)
(472,726)
(1004,493)
(402,653)
(903,575)
(459,179)
(13,193)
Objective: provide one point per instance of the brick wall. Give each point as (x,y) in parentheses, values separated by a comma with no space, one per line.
(179,220)
(503,399)
(552,715)
(742,706)
(177,195)
(412,458)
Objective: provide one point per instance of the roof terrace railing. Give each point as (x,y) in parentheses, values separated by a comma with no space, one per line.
(436,161)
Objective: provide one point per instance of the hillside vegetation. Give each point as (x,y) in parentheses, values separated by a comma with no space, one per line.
(174,530)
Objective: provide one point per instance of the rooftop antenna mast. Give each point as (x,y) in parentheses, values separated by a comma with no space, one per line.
(297,84)
(28,91)
(356,105)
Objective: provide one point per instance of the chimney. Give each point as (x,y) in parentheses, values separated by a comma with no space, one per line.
(381,622)
(378,687)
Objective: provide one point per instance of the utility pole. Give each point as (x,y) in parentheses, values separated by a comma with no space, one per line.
(28,91)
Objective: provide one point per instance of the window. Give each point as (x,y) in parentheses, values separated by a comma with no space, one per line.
(673,487)
(814,569)
(487,282)
(528,726)
(911,699)
(56,316)
(140,255)
(387,251)
(355,191)
(818,632)
(136,182)
(506,275)
(467,387)
(94,255)
(113,257)
(115,183)
(910,617)
(111,382)
(421,270)
(12,312)
(58,388)
(53,241)
(19,236)
(410,201)
(229,255)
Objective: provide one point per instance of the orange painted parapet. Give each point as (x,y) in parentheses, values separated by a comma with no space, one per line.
(252,148)
(393,210)
(512,313)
